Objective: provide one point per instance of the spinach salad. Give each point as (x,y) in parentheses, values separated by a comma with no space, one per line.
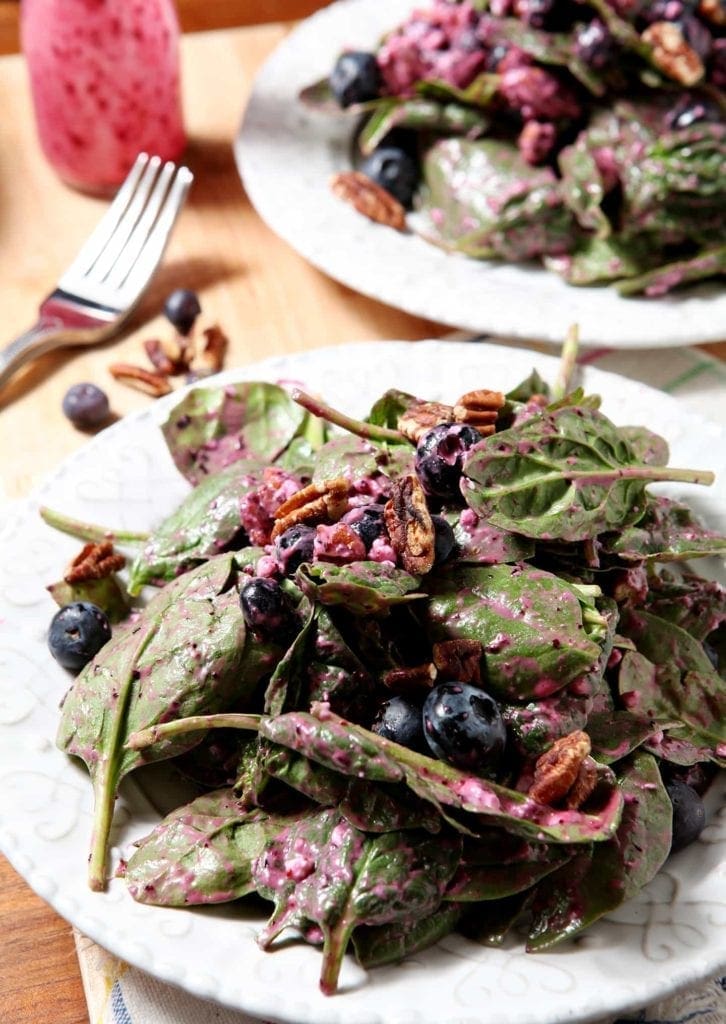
(589,136)
(444,668)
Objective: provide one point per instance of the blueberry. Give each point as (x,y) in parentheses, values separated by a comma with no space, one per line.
(689,814)
(182,308)
(264,607)
(439,457)
(594,45)
(395,170)
(293,547)
(77,632)
(400,721)
(86,406)
(690,110)
(355,78)
(463,726)
(367,522)
(444,539)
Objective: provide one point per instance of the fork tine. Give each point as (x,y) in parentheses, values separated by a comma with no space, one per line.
(137,239)
(126,224)
(98,238)
(158,236)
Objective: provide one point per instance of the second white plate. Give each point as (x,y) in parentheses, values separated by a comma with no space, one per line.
(286,155)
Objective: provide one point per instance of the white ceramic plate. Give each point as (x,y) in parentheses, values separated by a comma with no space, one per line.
(672,934)
(286,155)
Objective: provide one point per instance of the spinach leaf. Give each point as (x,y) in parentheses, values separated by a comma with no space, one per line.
(566,474)
(489,923)
(200,853)
(648,447)
(673,681)
(473,883)
(362,462)
(531,624)
(108,594)
(603,876)
(287,686)
(695,604)
(213,427)
(182,656)
(616,733)
(323,785)
(386,807)
(420,114)
(479,542)
(534,727)
(390,943)
(528,388)
(667,532)
(330,874)
(705,264)
(364,588)
(206,522)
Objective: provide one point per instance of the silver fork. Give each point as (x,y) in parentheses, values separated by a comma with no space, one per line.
(100,288)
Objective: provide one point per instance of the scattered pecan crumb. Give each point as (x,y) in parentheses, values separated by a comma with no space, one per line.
(421,417)
(479,409)
(672,54)
(314,503)
(154,384)
(94,562)
(369,198)
(413,679)
(210,357)
(459,660)
(167,355)
(557,769)
(409,525)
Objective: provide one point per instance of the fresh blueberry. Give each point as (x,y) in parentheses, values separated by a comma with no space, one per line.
(463,725)
(400,721)
(355,78)
(293,547)
(264,606)
(594,45)
(444,539)
(689,814)
(439,457)
(182,308)
(367,522)
(395,170)
(690,110)
(77,632)
(86,406)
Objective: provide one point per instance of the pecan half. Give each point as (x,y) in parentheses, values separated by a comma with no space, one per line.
(422,416)
(409,525)
(413,679)
(713,11)
(369,198)
(154,384)
(557,769)
(479,409)
(94,562)
(209,358)
(459,660)
(313,504)
(672,54)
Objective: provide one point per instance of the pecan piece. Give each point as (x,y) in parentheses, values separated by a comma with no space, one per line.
(557,769)
(314,503)
(672,54)
(413,679)
(209,358)
(409,525)
(583,785)
(369,198)
(421,417)
(94,562)
(713,11)
(154,384)
(459,660)
(479,409)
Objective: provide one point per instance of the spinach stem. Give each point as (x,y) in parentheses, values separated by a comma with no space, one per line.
(89,531)
(568,363)
(194,723)
(368,431)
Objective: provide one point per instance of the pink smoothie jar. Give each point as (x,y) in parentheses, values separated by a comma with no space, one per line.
(104,77)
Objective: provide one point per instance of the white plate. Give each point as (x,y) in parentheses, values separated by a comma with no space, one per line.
(286,155)
(672,934)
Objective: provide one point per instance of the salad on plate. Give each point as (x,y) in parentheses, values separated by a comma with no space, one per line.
(447,667)
(588,135)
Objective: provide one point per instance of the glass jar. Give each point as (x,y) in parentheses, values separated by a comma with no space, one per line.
(104,77)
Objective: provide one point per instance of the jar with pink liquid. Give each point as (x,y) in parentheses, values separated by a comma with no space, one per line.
(104,77)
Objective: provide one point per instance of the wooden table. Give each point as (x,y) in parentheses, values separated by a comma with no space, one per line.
(262,294)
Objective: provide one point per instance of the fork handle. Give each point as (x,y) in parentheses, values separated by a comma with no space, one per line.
(43,336)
